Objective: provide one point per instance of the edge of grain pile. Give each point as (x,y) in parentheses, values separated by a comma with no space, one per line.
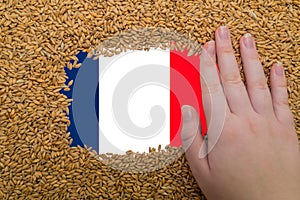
(37,40)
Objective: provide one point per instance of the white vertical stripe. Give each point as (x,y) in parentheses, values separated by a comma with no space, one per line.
(112,70)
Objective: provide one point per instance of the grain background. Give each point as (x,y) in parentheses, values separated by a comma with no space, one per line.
(39,37)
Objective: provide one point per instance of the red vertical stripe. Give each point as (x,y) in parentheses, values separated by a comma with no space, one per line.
(185,90)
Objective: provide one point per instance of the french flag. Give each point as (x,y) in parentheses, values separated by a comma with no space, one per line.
(133,100)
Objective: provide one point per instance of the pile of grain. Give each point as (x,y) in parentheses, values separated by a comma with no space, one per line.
(38,38)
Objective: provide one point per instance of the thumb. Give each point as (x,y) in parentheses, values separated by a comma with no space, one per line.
(192,141)
(190,127)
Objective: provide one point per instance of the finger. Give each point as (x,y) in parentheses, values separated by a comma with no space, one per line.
(234,88)
(210,82)
(192,141)
(280,95)
(214,102)
(257,86)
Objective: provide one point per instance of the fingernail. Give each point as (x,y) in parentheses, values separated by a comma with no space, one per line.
(279,69)
(211,48)
(187,114)
(224,33)
(248,41)
(190,126)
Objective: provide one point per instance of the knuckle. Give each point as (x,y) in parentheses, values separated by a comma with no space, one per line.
(212,88)
(256,122)
(281,85)
(232,79)
(189,130)
(284,103)
(253,55)
(260,85)
(226,49)
(207,62)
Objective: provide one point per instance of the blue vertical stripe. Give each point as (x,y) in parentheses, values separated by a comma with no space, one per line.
(72,74)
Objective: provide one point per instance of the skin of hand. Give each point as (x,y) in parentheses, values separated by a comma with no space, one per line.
(257,155)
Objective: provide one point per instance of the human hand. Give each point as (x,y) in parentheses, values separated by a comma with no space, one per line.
(257,154)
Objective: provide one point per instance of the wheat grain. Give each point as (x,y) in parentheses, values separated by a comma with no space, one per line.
(39,38)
